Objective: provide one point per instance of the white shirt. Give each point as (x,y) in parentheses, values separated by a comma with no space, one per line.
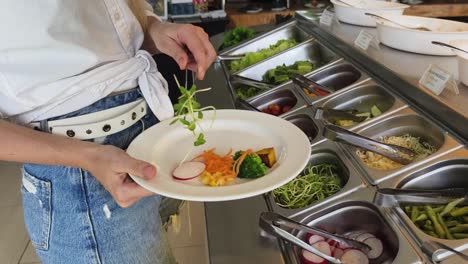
(58,56)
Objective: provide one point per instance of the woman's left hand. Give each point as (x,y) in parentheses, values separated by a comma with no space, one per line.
(188,45)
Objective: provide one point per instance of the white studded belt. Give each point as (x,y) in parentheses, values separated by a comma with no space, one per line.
(98,124)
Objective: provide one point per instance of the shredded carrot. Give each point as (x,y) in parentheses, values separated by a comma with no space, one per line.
(218,164)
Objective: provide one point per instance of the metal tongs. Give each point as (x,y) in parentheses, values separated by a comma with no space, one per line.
(333,115)
(430,247)
(388,197)
(272,223)
(251,82)
(310,85)
(393,152)
(229,57)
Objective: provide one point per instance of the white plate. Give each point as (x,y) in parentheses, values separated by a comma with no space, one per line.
(166,145)
(355,14)
(418,41)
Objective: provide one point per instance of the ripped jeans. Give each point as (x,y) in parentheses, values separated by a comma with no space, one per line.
(71,218)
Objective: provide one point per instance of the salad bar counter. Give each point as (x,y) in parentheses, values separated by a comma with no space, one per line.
(346,101)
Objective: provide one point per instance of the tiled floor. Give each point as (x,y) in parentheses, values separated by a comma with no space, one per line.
(187,234)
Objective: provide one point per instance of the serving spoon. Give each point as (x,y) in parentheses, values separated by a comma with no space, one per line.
(448,46)
(389,20)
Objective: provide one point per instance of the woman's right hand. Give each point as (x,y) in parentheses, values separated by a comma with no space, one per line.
(111,166)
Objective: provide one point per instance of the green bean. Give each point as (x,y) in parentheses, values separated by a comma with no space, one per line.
(431,233)
(446,230)
(452,223)
(460,235)
(461,228)
(407,210)
(438,209)
(428,227)
(421,217)
(459,211)
(450,206)
(438,228)
(414,213)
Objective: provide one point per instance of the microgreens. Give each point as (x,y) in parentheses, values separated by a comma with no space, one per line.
(188,112)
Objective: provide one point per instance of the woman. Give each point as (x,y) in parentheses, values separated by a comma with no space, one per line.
(81,73)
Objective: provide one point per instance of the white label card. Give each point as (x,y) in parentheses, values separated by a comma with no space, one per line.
(435,79)
(327,18)
(365,39)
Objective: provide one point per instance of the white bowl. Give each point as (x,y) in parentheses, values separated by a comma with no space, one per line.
(356,15)
(418,41)
(462,59)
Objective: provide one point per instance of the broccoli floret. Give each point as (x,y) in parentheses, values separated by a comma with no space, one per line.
(252,167)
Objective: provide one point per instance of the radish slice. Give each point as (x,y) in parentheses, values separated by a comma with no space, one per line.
(354,256)
(376,247)
(314,239)
(364,236)
(188,170)
(311,258)
(338,252)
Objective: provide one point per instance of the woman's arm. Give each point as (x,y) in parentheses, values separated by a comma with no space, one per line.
(188,45)
(108,164)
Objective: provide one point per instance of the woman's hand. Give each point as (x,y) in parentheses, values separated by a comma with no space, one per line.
(188,45)
(111,166)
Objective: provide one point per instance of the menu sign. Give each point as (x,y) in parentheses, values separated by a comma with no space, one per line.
(365,39)
(327,18)
(436,79)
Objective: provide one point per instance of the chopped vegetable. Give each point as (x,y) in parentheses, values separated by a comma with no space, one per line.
(268,156)
(374,112)
(376,161)
(188,170)
(316,183)
(236,35)
(280,74)
(276,109)
(460,211)
(188,112)
(219,169)
(449,207)
(439,221)
(251,58)
(245,92)
(354,256)
(311,258)
(250,165)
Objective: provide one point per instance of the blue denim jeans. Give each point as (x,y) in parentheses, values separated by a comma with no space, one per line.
(71,218)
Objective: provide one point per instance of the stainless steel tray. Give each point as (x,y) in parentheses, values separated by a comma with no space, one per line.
(310,51)
(362,98)
(447,171)
(399,123)
(282,96)
(326,152)
(304,119)
(355,212)
(341,76)
(288,30)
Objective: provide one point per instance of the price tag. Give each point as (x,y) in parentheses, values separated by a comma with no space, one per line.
(327,18)
(365,39)
(436,79)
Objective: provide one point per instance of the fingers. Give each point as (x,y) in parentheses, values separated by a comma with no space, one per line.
(129,193)
(196,40)
(209,49)
(174,50)
(137,168)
